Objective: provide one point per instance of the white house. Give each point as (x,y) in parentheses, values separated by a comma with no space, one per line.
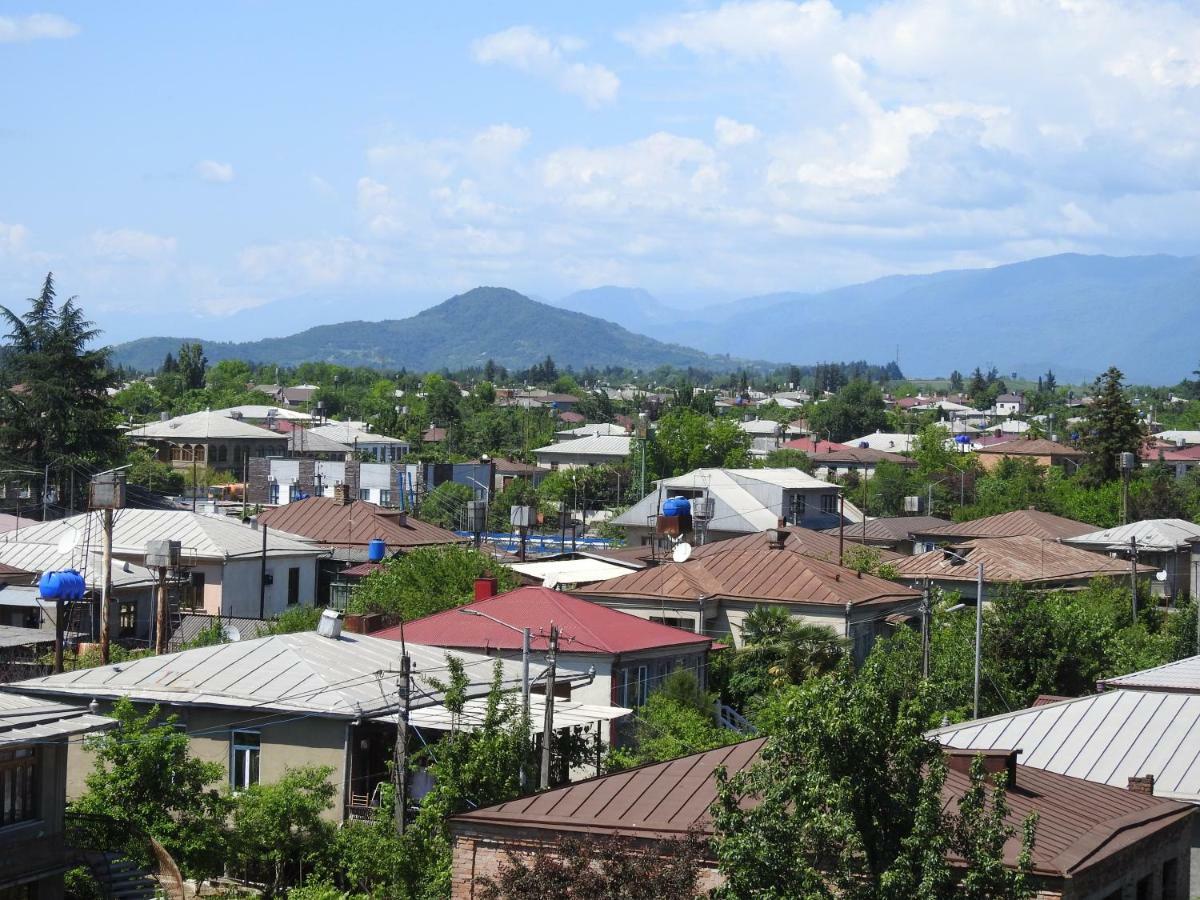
(584,452)
(382,447)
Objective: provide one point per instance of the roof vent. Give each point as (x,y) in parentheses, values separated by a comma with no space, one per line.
(994,762)
(776,538)
(330,624)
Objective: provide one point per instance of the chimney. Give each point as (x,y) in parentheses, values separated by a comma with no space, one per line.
(341,494)
(485,586)
(776,537)
(1143,784)
(994,761)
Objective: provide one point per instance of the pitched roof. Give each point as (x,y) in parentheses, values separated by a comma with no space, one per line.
(347,433)
(1032,447)
(615,445)
(24,719)
(1079,823)
(192,624)
(891,528)
(822,545)
(1150,534)
(9,522)
(334,524)
(1183,675)
(305,440)
(202,536)
(825,452)
(566,573)
(600,428)
(1019,521)
(742,570)
(1021,559)
(351,677)
(36,557)
(208,424)
(516,467)
(585,627)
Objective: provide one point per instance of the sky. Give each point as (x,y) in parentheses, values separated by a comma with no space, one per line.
(179,165)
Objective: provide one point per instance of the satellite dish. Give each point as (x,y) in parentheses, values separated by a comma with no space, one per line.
(67,542)
(1161,575)
(550,582)
(231,634)
(682,552)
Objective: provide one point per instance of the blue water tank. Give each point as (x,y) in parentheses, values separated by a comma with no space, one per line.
(65,585)
(677,506)
(74,587)
(50,585)
(376,550)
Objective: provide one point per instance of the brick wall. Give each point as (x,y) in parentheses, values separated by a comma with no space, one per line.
(258,476)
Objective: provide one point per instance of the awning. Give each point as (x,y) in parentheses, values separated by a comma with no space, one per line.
(567,714)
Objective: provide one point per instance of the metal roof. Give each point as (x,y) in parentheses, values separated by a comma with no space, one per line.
(202,536)
(305,440)
(263,411)
(1034,447)
(1151,534)
(24,719)
(566,714)
(1010,524)
(331,523)
(1021,559)
(35,558)
(304,672)
(345,433)
(601,445)
(192,624)
(601,428)
(891,528)
(826,452)
(1182,675)
(560,572)
(820,545)
(584,627)
(1176,434)
(205,425)
(16,636)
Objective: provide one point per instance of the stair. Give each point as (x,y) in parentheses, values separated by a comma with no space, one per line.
(120,878)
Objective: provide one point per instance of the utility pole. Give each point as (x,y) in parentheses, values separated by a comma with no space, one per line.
(978,633)
(841,527)
(262,574)
(193,479)
(1133,575)
(245,482)
(106,583)
(160,618)
(46,493)
(548,726)
(59,632)
(400,756)
(925,627)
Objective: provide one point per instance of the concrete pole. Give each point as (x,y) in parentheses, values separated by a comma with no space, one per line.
(978,633)
(548,725)
(105,583)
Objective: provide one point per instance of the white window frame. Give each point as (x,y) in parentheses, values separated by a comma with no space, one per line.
(245,760)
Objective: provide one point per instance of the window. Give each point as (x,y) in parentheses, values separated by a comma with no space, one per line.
(127,619)
(795,508)
(197,590)
(222,453)
(293,586)
(829,503)
(293,493)
(364,494)
(18,785)
(385,497)
(674,622)
(243,763)
(633,687)
(1170,879)
(273,493)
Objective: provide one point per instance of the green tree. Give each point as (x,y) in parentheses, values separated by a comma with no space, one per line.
(956,381)
(426,581)
(192,365)
(1111,427)
(146,471)
(446,504)
(687,440)
(145,775)
(855,410)
(442,398)
(788,458)
(296,619)
(518,492)
(677,719)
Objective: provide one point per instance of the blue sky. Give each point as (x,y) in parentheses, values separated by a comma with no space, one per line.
(180,164)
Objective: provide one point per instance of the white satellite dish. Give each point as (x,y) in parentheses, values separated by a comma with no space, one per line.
(550,582)
(67,542)
(231,634)
(682,552)
(1161,574)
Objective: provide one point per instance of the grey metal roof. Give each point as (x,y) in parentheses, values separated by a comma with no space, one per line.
(1151,534)
(1182,675)
(346,433)
(305,440)
(15,636)
(45,556)
(192,624)
(24,719)
(206,425)
(614,445)
(304,672)
(1106,738)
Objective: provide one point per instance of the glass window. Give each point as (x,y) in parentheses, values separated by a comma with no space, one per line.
(127,619)
(18,785)
(364,494)
(385,497)
(829,503)
(293,596)
(243,763)
(633,687)
(273,493)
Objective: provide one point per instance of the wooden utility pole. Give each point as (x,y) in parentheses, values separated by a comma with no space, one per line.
(160,619)
(400,754)
(262,573)
(106,582)
(59,633)
(548,724)
(842,528)
(925,629)
(1133,575)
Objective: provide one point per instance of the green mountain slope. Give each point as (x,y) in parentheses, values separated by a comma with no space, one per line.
(467,330)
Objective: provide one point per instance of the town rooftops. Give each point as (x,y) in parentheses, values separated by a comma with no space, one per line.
(35,557)
(349,677)
(350,434)
(263,411)
(1021,559)
(890,442)
(200,426)
(829,452)
(1010,524)
(565,573)
(1183,676)
(585,627)
(202,536)
(1150,534)
(516,467)
(591,430)
(1179,436)
(1031,447)
(888,529)
(614,445)
(24,719)
(331,523)
(822,545)
(305,440)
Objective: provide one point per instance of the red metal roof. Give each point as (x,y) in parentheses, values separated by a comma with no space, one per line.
(335,524)
(1010,524)
(584,627)
(830,452)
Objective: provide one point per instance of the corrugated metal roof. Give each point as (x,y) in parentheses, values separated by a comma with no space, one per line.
(602,428)
(192,624)
(1035,447)
(585,627)
(1182,675)
(822,545)
(1106,738)
(208,424)
(328,522)
(1019,560)
(566,714)
(828,453)
(345,433)
(602,445)
(891,528)
(35,558)
(263,411)
(15,636)
(303,672)
(24,719)
(1151,534)
(570,571)
(202,536)
(1010,524)
(305,440)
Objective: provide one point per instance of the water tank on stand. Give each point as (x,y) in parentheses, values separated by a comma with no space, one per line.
(376,550)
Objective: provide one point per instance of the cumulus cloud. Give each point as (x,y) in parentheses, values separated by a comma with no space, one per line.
(217,172)
(731,132)
(131,244)
(13,238)
(528,50)
(39,26)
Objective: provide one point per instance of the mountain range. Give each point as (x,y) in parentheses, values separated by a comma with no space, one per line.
(1072,313)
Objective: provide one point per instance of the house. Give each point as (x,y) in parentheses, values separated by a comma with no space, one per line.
(510,470)
(713,591)
(363,442)
(257,707)
(1010,405)
(568,571)
(583,452)
(231,568)
(537,398)
(278,481)
(1036,523)
(1024,560)
(35,735)
(603,429)
(208,439)
(303,444)
(434,434)
(270,416)
(744,501)
(1171,546)
(1179,437)
(1179,459)
(1044,452)
(766,435)
(1093,840)
(895,533)
(833,460)
(887,441)
(630,655)
(294,396)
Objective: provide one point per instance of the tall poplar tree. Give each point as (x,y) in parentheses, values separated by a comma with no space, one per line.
(1112,428)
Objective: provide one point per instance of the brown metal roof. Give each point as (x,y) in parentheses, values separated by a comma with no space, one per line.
(1021,559)
(1032,447)
(1080,823)
(891,528)
(822,545)
(1020,521)
(329,522)
(750,569)
(827,452)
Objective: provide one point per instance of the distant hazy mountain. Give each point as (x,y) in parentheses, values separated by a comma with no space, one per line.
(485,323)
(631,308)
(1073,313)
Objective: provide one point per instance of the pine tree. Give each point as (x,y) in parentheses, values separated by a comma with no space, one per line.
(956,381)
(1112,427)
(1050,383)
(978,384)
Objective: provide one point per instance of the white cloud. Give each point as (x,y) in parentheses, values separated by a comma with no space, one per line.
(130,244)
(13,238)
(731,132)
(499,143)
(299,265)
(39,26)
(527,50)
(218,172)
(378,208)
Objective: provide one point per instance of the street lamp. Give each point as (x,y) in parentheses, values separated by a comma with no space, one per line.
(525,635)
(978,620)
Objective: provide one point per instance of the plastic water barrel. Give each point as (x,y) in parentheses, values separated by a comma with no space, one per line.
(376,550)
(50,585)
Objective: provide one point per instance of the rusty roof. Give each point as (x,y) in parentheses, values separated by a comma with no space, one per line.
(823,452)
(1080,823)
(822,545)
(1020,559)
(750,569)
(891,528)
(1031,447)
(1020,521)
(329,522)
